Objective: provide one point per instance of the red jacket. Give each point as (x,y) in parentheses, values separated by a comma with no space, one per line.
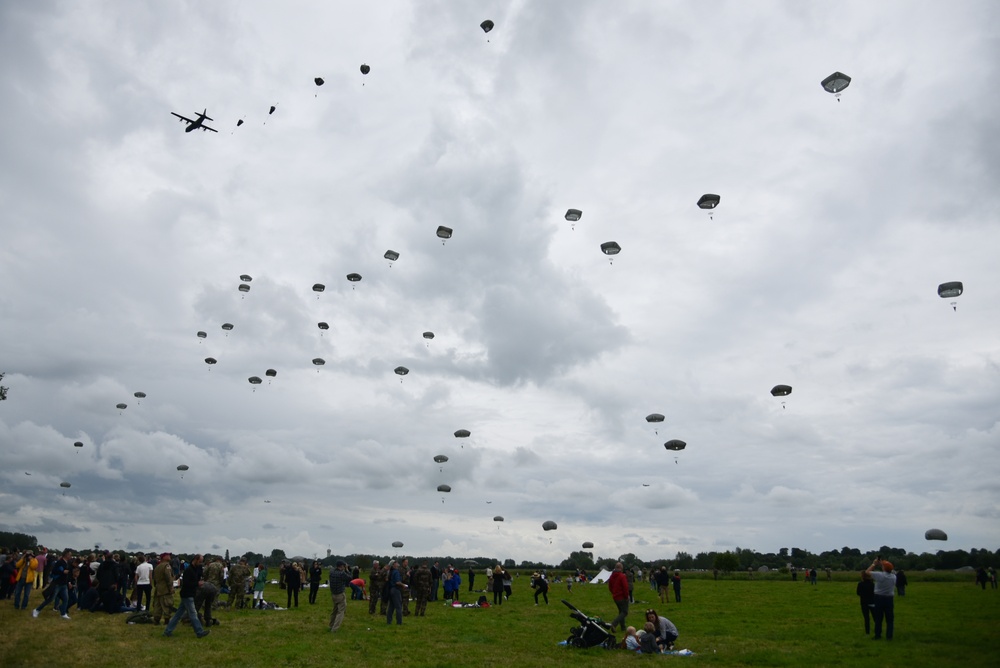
(618,586)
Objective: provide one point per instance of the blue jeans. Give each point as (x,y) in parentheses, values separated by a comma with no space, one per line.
(187,609)
(59,593)
(18,588)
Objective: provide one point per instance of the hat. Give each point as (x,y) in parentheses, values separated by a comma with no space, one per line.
(341,562)
(886,565)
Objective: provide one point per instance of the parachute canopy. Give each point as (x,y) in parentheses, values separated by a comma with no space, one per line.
(365,69)
(244,287)
(202,335)
(498,518)
(323,326)
(271,110)
(781,390)
(246,278)
(836,82)
(354,278)
(708,201)
(675,444)
(444,232)
(139,395)
(588,545)
(463,433)
(121,407)
(228,326)
(397,543)
(654,417)
(935,534)
(549,525)
(255,380)
(573,215)
(428,335)
(611,248)
(319,361)
(270,373)
(948,290)
(319,287)
(239,122)
(65,484)
(444,488)
(182,467)
(486,25)
(401,371)
(391,255)
(440,459)
(319,81)
(210,360)
(78,444)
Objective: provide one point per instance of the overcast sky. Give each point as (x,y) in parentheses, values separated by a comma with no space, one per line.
(122,236)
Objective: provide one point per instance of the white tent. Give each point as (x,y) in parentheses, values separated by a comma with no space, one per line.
(601,577)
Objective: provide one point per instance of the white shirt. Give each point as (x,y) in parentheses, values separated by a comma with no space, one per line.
(142,573)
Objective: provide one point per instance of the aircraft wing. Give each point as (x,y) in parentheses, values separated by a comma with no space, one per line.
(205,127)
(182,117)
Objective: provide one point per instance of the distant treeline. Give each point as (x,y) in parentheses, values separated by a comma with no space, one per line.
(739,559)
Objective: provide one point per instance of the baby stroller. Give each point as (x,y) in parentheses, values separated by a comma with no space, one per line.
(591,632)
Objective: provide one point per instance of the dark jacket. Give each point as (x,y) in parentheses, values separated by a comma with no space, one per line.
(866,592)
(189,581)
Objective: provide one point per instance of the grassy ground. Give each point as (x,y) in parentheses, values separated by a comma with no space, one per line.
(726,623)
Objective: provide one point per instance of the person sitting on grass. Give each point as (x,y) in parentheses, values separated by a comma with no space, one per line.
(666,632)
(631,640)
(647,641)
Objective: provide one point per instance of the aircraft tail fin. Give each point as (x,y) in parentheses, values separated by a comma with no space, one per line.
(205,114)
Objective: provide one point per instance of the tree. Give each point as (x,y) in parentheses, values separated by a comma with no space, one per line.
(726,562)
(3,390)
(684,561)
(579,559)
(277,556)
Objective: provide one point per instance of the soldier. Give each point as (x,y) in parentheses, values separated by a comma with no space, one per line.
(421,582)
(376,582)
(207,595)
(238,575)
(405,573)
(163,590)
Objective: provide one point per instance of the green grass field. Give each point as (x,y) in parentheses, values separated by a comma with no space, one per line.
(773,622)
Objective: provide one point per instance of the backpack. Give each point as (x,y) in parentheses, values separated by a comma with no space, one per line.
(141,617)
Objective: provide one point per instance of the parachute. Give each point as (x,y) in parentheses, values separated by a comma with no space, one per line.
(353,278)
(655,418)
(318,361)
(463,433)
(139,395)
(835,83)
(244,288)
(549,525)
(675,444)
(401,371)
(440,459)
(182,468)
(573,215)
(708,202)
(65,485)
(210,361)
(935,534)
(611,248)
(781,391)
(391,256)
(950,290)
(444,233)
(397,544)
(255,380)
(271,110)
(318,288)
(202,335)
(319,81)
(498,518)
(487,26)
(239,122)
(270,373)
(78,444)
(428,335)
(227,326)
(121,407)
(444,488)
(365,70)
(323,326)
(246,278)
(588,545)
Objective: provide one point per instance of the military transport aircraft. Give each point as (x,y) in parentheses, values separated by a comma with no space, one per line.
(197,123)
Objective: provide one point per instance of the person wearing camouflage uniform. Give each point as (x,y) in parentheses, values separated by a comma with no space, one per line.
(163,590)
(421,582)
(207,595)
(238,575)
(405,573)
(376,582)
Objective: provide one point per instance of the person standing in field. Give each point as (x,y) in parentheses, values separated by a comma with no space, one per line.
(339,579)
(163,590)
(60,586)
(376,583)
(190,581)
(238,575)
(885,583)
(435,580)
(421,582)
(143,583)
(395,588)
(866,594)
(901,582)
(315,576)
(663,584)
(618,586)
(259,580)
(677,586)
(293,583)
(25,579)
